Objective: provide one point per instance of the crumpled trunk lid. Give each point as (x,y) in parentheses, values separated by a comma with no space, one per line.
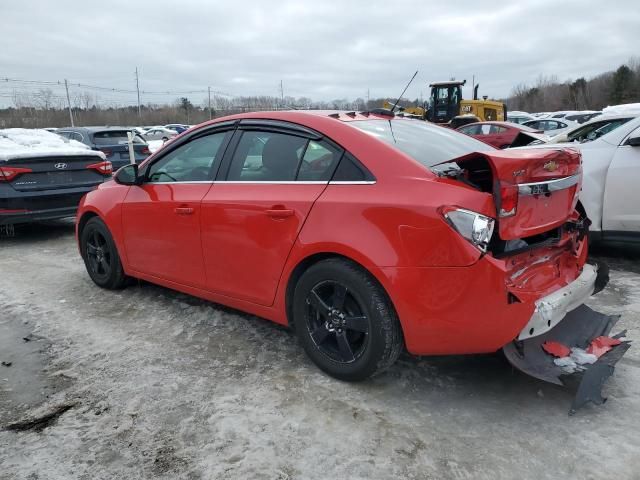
(535,190)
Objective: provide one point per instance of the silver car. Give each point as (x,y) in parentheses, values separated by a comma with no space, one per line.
(159,133)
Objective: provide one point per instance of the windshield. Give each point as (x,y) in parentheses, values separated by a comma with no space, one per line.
(595,130)
(427,143)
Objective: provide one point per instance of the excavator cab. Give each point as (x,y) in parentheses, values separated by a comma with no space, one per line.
(444,103)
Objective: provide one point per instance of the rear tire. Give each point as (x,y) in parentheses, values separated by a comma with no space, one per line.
(100,255)
(345,321)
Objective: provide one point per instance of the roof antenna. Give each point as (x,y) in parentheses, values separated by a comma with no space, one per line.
(405,89)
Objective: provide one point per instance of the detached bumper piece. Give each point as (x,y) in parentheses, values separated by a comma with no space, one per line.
(578,332)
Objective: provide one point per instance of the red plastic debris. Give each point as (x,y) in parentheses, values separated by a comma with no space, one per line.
(601,345)
(556,349)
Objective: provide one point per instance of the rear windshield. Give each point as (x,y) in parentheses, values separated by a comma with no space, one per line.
(427,143)
(114,137)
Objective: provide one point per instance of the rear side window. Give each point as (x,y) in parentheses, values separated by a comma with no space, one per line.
(427,143)
(195,161)
(267,157)
(351,170)
(319,161)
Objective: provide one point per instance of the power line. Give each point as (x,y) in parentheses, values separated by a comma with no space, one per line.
(109,89)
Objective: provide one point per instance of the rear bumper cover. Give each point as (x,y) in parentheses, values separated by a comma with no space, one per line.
(577,329)
(29,206)
(551,309)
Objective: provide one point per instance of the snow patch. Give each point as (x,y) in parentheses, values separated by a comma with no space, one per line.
(626,108)
(28,143)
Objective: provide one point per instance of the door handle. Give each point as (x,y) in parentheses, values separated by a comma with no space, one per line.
(183,210)
(280,212)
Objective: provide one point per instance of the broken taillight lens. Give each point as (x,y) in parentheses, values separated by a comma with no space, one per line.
(105,168)
(473,226)
(508,200)
(9,173)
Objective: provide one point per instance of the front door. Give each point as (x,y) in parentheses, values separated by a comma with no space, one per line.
(161,218)
(621,210)
(251,219)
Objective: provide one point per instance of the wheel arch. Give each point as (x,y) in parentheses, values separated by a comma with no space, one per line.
(308,261)
(82,221)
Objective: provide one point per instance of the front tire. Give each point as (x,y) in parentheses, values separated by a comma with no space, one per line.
(345,321)
(100,255)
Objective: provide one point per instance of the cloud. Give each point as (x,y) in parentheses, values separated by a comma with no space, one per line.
(323,50)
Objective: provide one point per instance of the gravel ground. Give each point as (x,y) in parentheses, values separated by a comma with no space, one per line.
(150,383)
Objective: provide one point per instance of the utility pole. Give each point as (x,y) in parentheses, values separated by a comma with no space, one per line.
(138,90)
(66,86)
(281,94)
(210,116)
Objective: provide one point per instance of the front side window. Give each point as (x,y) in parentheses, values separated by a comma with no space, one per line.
(195,161)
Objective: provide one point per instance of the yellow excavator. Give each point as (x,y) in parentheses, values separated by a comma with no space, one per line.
(446,105)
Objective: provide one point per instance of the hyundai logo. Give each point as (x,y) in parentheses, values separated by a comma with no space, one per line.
(60,166)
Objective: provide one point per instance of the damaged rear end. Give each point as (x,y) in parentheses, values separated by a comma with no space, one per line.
(541,239)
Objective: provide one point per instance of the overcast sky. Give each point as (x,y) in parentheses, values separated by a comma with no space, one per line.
(320,49)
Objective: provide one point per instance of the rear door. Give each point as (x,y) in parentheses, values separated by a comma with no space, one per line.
(161,218)
(621,210)
(252,216)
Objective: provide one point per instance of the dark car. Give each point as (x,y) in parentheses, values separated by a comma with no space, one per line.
(502,134)
(112,141)
(43,176)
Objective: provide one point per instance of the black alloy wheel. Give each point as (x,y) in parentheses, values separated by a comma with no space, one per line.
(336,321)
(345,320)
(100,255)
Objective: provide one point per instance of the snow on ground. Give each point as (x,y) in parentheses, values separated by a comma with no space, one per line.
(163,385)
(26,143)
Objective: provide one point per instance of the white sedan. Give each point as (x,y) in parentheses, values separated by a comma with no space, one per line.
(611,183)
(551,126)
(160,133)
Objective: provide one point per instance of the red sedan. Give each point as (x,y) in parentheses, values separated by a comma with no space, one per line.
(366,233)
(502,134)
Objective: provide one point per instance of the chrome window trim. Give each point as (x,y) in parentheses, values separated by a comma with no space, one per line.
(173,183)
(537,188)
(352,182)
(275,182)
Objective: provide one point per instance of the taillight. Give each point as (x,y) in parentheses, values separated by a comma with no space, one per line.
(108,152)
(508,200)
(475,227)
(105,168)
(9,173)
(145,150)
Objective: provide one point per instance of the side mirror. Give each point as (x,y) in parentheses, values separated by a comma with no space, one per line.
(634,141)
(128,175)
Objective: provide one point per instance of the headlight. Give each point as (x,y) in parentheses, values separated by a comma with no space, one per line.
(471,225)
